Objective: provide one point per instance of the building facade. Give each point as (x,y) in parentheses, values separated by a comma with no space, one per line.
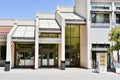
(70,37)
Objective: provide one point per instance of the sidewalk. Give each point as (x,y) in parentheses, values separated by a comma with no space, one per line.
(56,74)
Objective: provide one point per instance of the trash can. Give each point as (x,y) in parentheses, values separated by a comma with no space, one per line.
(7,66)
(62,65)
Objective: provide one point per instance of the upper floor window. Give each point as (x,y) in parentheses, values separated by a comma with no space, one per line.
(117,8)
(100,7)
(99,18)
(118,18)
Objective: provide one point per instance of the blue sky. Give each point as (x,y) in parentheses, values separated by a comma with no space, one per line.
(26,9)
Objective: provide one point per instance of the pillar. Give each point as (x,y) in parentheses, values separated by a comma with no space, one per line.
(36,66)
(63,48)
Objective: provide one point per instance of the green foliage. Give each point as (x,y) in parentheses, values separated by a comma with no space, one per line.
(115,37)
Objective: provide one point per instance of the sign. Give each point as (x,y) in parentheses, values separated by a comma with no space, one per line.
(102,59)
(102,62)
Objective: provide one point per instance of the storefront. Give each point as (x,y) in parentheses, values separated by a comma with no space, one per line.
(24,55)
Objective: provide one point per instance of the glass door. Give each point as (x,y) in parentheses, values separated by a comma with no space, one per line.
(47,59)
(72,59)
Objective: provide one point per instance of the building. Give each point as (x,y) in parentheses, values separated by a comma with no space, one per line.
(71,37)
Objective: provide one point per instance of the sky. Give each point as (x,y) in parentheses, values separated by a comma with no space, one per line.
(26,9)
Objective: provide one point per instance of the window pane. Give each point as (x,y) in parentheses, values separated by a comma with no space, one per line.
(93,18)
(100,18)
(75,43)
(75,31)
(67,42)
(3,53)
(67,31)
(117,18)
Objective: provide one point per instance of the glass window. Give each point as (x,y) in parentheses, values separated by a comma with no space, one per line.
(72,36)
(101,7)
(24,46)
(118,18)
(46,35)
(67,31)
(2,52)
(48,46)
(75,43)
(99,18)
(75,31)
(117,8)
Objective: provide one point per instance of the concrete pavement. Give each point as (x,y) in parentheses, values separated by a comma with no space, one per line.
(56,74)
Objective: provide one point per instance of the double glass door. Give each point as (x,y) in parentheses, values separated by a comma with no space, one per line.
(24,59)
(48,58)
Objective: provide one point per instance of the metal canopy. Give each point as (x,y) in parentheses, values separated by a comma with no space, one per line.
(71,16)
(48,25)
(24,32)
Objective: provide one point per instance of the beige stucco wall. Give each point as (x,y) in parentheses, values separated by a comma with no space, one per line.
(83,46)
(25,22)
(81,7)
(13,53)
(59,53)
(7,22)
(65,8)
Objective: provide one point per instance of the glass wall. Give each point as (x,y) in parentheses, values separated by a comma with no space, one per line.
(72,36)
(72,45)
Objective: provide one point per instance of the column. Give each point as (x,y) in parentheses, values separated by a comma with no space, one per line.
(59,53)
(36,44)
(63,49)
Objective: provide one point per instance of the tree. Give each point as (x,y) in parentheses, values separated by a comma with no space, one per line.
(115,37)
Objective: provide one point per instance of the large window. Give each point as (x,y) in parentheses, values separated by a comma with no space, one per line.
(99,18)
(72,36)
(118,18)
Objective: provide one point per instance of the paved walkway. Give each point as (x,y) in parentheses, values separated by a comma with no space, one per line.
(56,74)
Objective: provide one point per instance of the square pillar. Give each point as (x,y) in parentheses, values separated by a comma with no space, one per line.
(63,49)
(9,53)
(36,66)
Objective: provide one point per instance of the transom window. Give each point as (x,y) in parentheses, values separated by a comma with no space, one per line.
(100,18)
(48,35)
